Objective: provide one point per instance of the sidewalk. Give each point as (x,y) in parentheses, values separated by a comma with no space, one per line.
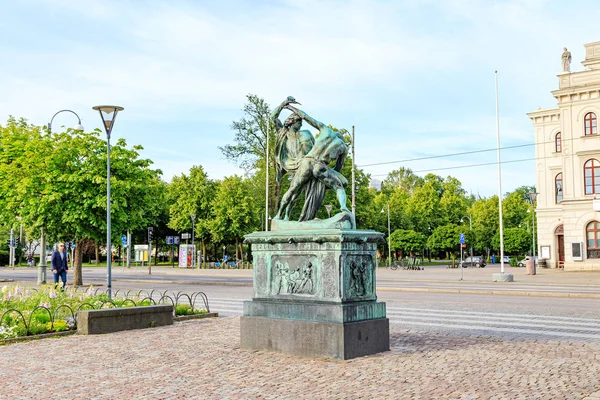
(203,359)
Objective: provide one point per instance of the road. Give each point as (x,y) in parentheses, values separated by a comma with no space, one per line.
(421,305)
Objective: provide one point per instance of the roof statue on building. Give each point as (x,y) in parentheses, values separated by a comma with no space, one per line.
(566,61)
(306,160)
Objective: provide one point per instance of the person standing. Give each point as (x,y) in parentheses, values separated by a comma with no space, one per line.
(60,265)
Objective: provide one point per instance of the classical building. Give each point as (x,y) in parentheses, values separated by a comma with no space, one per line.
(567,154)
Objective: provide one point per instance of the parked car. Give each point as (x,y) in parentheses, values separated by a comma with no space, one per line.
(506,260)
(475,261)
(523,262)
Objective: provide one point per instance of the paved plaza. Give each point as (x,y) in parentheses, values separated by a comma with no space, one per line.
(202,359)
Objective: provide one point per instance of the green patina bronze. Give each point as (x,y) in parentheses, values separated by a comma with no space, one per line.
(306,159)
(320,274)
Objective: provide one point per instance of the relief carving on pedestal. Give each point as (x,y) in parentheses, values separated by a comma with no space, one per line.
(299,278)
(360,276)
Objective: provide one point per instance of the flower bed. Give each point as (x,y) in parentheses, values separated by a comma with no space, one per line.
(28,311)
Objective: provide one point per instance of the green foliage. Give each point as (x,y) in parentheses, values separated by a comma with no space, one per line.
(234,211)
(403,179)
(516,241)
(445,238)
(57,181)
(186,309)
(408,241)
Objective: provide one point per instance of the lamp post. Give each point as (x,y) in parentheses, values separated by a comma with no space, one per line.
(193,217)
(77,127)
(108,114)
(532,198)
(389,237)
(470,232)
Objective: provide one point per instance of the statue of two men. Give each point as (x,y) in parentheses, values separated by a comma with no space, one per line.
(306,159)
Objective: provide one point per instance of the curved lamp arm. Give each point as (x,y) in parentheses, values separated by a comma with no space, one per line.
(78,127)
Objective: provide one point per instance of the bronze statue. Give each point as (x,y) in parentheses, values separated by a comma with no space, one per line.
(310,169)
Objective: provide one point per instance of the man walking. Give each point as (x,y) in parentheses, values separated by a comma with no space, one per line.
(60,265)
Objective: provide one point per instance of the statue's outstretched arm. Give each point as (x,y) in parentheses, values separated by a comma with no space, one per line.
(277,111)
(275,116)
(316,124)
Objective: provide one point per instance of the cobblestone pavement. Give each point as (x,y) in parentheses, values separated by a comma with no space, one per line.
(202,359)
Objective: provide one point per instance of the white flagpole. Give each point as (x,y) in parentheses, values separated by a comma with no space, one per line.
(499,180)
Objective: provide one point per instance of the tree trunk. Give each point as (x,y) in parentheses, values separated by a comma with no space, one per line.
(77,264)
(237,254)
(97,249)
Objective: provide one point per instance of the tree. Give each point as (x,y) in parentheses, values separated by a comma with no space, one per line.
(249,148)
(516,241)
(514,210)
(192,194)
(445,238)
(407,241)
(57,181)
(401,178)
(423,207)
(234,212)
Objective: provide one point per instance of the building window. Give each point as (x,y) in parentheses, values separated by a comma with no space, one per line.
(557,143)
(590,123)
(591,173)
(558,186)
(593,239)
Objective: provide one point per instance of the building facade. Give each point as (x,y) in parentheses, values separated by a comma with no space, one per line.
(567,154)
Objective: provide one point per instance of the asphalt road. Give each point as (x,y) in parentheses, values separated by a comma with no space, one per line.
(508,317)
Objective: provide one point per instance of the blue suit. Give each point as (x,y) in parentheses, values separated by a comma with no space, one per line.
(61,266)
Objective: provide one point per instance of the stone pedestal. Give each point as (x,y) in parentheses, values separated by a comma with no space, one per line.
(315,295)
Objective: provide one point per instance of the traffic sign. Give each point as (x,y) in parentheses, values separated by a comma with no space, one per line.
(169,239)
(124,240)
(463,245)
(175,239)
(186,236)
(462,238)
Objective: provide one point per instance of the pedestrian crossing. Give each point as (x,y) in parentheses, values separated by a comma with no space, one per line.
(476,322)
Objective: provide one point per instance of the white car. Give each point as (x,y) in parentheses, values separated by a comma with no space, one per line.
(506,260)
(523,262)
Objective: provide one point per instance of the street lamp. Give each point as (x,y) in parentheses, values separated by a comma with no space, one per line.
(193,217)
(470,233)
(389,237)
(108,114)
(224,247)
(77,127)
(532,198)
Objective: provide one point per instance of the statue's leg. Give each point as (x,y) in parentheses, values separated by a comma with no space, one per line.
(333,181)
(287,201)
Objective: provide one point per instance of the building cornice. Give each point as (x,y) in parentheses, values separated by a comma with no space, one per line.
(546,115)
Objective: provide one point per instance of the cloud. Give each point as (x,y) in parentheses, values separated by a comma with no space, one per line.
(415,77)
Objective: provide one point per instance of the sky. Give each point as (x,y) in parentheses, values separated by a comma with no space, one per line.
(415,78)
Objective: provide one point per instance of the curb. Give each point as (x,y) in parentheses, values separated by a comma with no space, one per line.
(494,292)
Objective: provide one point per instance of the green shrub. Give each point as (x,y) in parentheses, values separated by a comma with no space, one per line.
(513,262)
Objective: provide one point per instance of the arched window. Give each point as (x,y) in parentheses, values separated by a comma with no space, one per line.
(591,173)
(558,188)
(557,143)
(593,239)
(590,123)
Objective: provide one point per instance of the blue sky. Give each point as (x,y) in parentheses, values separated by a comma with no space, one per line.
(416,78)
